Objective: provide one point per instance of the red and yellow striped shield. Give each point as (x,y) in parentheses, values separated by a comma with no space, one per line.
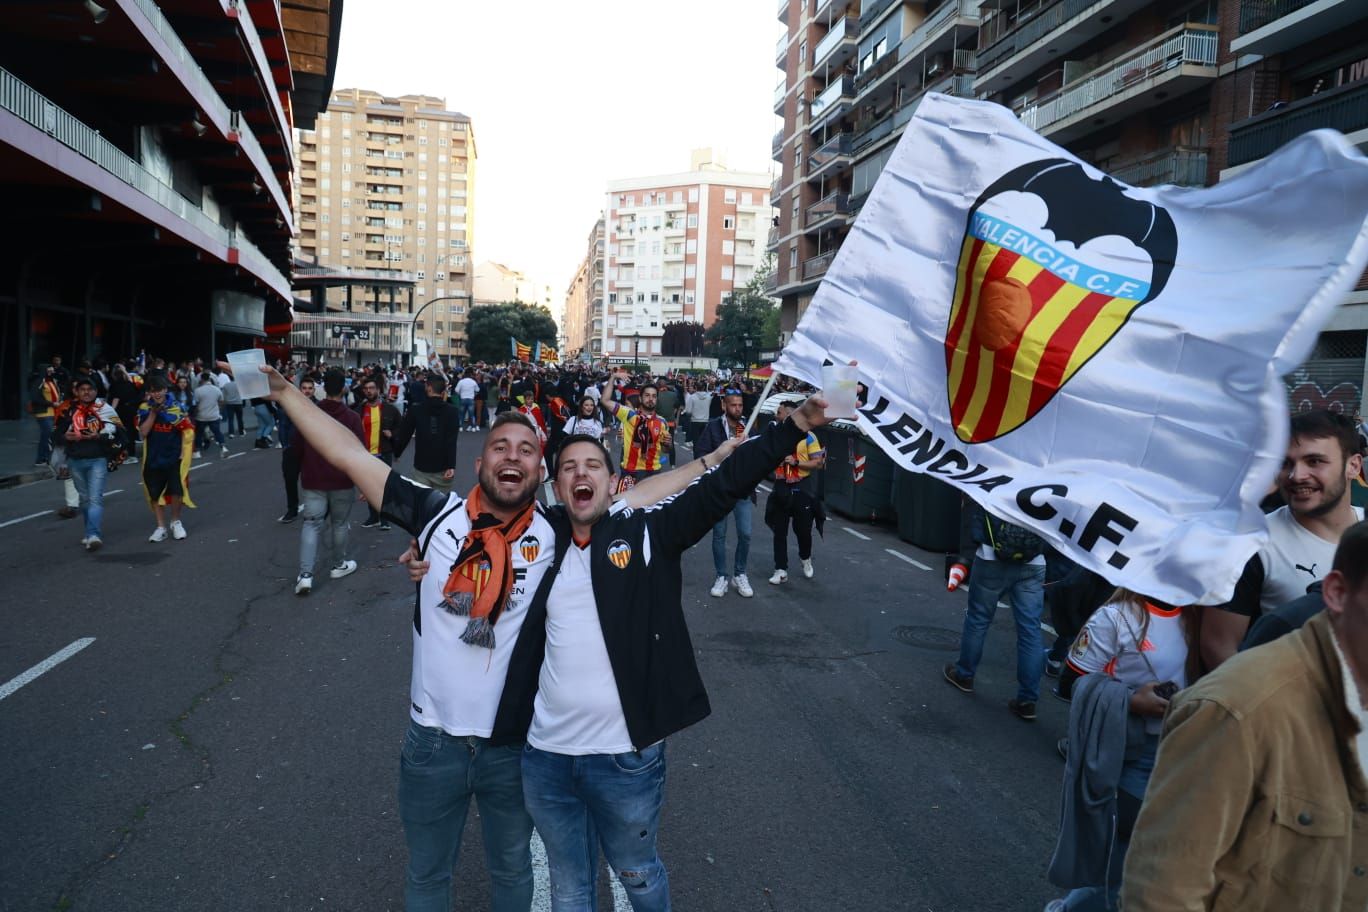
(1025,318)
(620,553)
(531,547)
(477,575)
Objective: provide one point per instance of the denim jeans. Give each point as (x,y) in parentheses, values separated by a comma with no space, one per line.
(1025,584)
(232,413)
(324,510)
(44,439)
(743,513)
(467,413)
(89,476)
(438,775)
(265,421)
(202,438)
(608,800)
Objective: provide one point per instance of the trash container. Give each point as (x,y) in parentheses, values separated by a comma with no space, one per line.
(859,476)
(928,511)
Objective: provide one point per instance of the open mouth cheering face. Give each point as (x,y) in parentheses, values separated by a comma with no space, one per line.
(584,482)
(510,466)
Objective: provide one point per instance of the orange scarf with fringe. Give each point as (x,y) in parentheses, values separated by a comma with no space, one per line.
(481,579)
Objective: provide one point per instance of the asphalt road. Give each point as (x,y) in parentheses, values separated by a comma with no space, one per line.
(222,744)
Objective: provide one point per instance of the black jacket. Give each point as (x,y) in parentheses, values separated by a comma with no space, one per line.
(639,604)
(435,423)
(713,435)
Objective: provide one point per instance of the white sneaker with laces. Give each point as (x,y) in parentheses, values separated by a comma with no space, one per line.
(93,543)
(158,534)
(719,588)
(743,586)
(304,585)
(807,569)
(346,568)
(177,530)
(779,576)
(223,451)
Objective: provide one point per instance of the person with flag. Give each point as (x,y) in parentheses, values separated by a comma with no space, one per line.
(168,434)
(89,427)
(793,500)
(645,435)
(46,394)
(378,421)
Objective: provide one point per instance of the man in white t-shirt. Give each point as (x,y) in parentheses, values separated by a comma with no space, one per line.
(1323,459)
(466,388)
(491,549)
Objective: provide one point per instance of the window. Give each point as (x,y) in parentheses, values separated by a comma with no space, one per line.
(346,253)
(729,195)
(655,297)
(728,224)
(439,292)
(693,219)
(747,199)
(690,271)
(422,125)
(727,273)
(691,245)
(346,201)
(346,235)
(793,257)
(422,207)
(346,185)
(729,248)
(326,252)
(346,151)
(422,225)
(422,140)
(802,55)
(677,196)
(693,194)
(688,297)
(346,219)
(631,201)
(422,274)
(325,184)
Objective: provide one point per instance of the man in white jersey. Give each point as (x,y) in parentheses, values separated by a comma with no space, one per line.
(490,550)
(1323,459)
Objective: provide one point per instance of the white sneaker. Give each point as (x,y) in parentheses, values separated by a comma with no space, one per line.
(158,534)
(807,569)
(719,588)
(779,576)
(85,540)
(223,451)
(177,530)
(743,586)
(131,460)
(304,585)
(198,455)
(93,543)
(346,568)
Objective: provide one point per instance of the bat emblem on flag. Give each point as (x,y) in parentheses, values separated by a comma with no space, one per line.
(620,553)
(1053,264)
(531,547)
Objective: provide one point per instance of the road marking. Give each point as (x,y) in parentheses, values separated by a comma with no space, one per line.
(44,666)
(113,492)
(900,556)
(202,465)
(620,901)
(1048,629)
(236,455)
(24,518)
(541,875)
(860,535)
(766,489)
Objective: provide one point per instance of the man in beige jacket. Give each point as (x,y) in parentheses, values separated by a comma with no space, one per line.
(1258,800)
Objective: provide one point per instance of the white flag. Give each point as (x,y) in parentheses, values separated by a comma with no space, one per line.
(1097,362)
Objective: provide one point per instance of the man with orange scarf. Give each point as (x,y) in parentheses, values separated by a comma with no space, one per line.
(490,551)
(378,421)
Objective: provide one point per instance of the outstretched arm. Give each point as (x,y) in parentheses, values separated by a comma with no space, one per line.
(333,441)
(667,484)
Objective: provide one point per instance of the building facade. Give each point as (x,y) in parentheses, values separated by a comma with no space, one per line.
(677,246)
(387,183)
(496,283)
(146,149)
(582,321)
(1150,91)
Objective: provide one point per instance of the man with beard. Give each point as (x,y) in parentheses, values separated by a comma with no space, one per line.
(491,550)
(1323,458)
(730,425)
(378,421)
(646,436)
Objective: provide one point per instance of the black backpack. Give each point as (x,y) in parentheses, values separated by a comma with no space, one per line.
(1011,542)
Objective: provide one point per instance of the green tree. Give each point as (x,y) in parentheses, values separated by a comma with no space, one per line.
(749,314)
(489,326)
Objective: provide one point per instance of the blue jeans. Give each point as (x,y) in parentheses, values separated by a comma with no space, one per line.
(265,422)
(232,413)
(202,438)
(44,439)
(467,413)
(89,476)
(327,514)
(608,800)
(1025,583)
(438,775)
(743,513)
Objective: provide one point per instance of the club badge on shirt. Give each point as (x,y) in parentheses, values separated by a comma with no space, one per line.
(620,553)
(531,547)
(1080,646)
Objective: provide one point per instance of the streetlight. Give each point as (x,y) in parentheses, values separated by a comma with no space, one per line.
(413,321)
(746,343)
(636,346)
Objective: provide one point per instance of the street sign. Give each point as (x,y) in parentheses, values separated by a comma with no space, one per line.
(356,332)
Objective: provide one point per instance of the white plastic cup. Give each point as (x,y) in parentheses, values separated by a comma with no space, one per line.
(840,388)
(251,382)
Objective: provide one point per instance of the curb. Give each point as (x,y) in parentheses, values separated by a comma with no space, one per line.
(23,478)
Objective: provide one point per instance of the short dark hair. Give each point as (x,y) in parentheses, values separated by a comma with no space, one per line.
(371,380)
(334,382)
(1321,423)
(437,382)
(1351,557)
(158,382)
(649,386)
(513,418)
(585,438)
(81,380)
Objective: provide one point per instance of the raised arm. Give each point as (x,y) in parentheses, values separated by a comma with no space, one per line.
(333,441)
(656,488)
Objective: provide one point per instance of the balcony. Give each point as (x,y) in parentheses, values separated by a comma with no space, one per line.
(816,267)
(1273,26)
(1174,63)
(627,255)
(835,99)
(780,94)
(781,51)
(771,283)
(936,35)
(674,228)
(1012,49)
(830,157)
(783,10)
(837,45)
(777,144)
(1344,109)
(1180,166)
(827,10)
(772,241)
(674,253)
(960,86)
(832,207)
(776,191)
(871,12)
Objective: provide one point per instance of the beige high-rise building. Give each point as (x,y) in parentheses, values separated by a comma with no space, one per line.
(388,183)
(582,322)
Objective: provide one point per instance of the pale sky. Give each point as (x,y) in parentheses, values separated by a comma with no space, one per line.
(565,96)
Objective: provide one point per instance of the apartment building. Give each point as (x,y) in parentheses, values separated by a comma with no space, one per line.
(146,157)
(387,183)
(496,283)
(582,321)
(1150,91)
(677,246)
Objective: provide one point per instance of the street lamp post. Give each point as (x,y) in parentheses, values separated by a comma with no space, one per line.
(413,321)
(636,349)
(746,343)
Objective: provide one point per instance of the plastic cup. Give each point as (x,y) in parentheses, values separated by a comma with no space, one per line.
(251,383)
(840,389)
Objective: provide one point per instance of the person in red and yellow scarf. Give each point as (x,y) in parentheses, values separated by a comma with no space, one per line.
(645,435)
(168,435)
(46,395)
(378,421)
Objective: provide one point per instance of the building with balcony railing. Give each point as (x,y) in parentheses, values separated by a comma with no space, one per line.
(584,301)
(148,148)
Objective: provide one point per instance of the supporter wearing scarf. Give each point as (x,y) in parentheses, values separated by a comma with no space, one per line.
(481,579)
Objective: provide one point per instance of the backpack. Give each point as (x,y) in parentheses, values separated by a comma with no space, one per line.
(1011,542)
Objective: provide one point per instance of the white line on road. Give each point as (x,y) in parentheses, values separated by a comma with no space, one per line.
(236,455)
(620,901)
(24,518)
(860,535)
(766,489)
(1048,629)
(904,557)
(44,666)
(541,875)
(113,492)
(202,465)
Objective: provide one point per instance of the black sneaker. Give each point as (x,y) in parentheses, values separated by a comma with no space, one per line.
(289,517)
(384,526)
(1062,745)
(1061,694)
(954,677)
(1022,710)
(1053,667)
(370,523)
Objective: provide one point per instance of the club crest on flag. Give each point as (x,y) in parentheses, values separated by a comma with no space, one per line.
(1052,264)
(620,553)
(531,547)
(482,577)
